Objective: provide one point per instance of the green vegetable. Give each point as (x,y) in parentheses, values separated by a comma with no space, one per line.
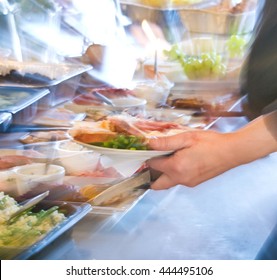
(127,142)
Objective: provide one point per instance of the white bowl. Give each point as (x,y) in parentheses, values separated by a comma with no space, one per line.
(76,159)
(8,182)
(30,175)
(155,92)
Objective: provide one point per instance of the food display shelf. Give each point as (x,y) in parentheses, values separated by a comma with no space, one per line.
(38,74)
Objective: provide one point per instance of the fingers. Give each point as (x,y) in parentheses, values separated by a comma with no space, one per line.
(174,142)
(165,167)
(160,163)
(162,183)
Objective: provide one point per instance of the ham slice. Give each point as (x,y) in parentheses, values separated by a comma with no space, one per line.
(10,161)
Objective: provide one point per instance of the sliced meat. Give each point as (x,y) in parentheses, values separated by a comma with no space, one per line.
(148,125)
(10,161)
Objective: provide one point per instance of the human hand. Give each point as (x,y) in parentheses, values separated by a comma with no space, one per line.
(199,155)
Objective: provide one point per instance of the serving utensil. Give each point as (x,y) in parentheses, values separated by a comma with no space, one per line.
(103,98)
(140,181)
(51,158)
(218,114)
(26,205)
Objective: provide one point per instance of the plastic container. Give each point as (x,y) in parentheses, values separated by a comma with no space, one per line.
(60,93)
(155,92)
(217,22)
(30,175)
(77,159)
(21,103)
(38,24)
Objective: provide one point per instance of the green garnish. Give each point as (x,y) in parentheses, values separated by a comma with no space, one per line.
(126,142)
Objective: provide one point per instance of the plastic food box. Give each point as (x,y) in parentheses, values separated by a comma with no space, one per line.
(21,103)
(60,93)
(74,212)
(164,14)
(224,23)
(108,196)
(170,4)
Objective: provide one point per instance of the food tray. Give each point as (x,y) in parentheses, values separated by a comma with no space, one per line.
(74,212)
(170,5)
(223,23)
(73,191)
(123,196)
(58,117)
(5,121)
(22,103)
(14,100)
(38,74)
(183,117)
(203,86)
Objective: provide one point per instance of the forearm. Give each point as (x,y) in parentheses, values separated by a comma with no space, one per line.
(255,140)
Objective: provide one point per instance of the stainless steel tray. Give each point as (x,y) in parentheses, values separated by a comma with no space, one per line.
(74,212)
(13,100)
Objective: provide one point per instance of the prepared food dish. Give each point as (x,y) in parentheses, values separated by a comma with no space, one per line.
(228,17)
(44,136)
(88,98)
(234,7)
(38,74)
(9,161)
(121,199)
(168,3)
(15,157)
(27,228)
(66,192)
(58,117)
(123,131)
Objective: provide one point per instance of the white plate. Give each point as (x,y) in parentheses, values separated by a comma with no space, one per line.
(123,153)
(121,104)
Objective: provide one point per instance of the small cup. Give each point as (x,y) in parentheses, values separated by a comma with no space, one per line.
(76,159)
(30,175)
(154,91)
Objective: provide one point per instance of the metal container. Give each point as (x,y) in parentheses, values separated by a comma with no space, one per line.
(5,121)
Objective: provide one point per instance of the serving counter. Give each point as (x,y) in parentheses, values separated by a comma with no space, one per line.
(231,216)
(228,217)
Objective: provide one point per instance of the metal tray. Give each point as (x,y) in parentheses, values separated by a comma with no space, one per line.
(17,99)
(5,121)
(74,213)
(38,74)
(121,197)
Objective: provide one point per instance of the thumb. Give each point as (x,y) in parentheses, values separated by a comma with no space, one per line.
(174,142)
